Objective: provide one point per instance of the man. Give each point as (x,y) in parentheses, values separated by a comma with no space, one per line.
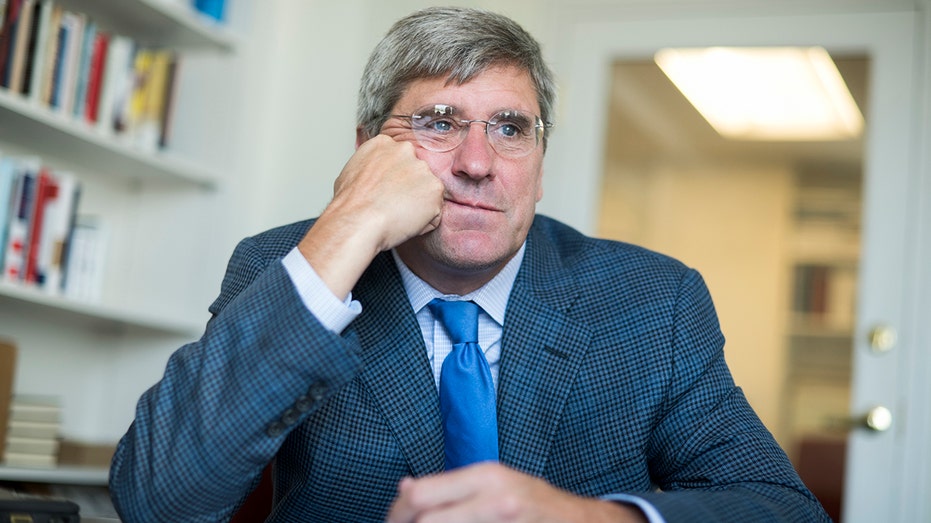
(326,353)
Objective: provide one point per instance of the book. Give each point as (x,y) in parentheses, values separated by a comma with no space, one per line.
(167,107)
(58,275)
(46,67)
(58,61)
(130,120)
(215,9)
(95,76)
(7,176)
(43,408)
(56,227)
(32,429)
(8,31)
(148,129)
(87,255)
(7,374)
(32,461)
(116,76)
(32,46)
(23,202)
(45,193)
(20,45)
(70,32)
(46,447)
(82,75)
(32,84)
(71,59)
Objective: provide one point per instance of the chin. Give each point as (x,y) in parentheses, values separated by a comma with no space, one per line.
(469,252)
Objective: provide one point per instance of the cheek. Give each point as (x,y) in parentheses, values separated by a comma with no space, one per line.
(439,162)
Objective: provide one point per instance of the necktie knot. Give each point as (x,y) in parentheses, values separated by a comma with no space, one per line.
(459,318)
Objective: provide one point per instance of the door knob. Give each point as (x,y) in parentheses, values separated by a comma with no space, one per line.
(877,419)
(882,338)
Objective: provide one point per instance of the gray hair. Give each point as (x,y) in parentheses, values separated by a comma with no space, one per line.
(457,42)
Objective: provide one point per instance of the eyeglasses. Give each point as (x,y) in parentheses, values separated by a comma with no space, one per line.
(511,133)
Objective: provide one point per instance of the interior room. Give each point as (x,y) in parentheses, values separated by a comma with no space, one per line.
(814,248)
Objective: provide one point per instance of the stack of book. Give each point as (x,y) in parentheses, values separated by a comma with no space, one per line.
(32,437)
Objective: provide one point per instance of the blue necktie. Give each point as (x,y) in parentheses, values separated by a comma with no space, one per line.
(467,394)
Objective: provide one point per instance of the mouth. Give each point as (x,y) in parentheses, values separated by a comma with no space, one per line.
(472,204)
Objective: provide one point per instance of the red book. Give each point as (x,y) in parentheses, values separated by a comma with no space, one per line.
(95,76)
(46,191)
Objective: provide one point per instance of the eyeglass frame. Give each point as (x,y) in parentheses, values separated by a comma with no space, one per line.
(539,126)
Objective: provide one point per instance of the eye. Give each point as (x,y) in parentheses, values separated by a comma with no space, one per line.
(511,125)
(440,125)
(508,129)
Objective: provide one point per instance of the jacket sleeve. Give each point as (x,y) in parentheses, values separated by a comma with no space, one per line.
(203,434)
(710,455)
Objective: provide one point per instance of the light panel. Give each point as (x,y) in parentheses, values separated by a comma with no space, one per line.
(772,93)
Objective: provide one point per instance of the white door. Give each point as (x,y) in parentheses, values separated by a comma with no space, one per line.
(874,488)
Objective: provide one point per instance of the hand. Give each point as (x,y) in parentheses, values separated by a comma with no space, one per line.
(393,191)
(490,492)
(384,196)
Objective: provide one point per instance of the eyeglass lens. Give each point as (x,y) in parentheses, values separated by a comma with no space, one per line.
(511,133)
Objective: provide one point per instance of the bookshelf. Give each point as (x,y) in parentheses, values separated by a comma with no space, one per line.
(824,263)
(158,204)
(50,134)
(68,475)
(161,22)
(98,316)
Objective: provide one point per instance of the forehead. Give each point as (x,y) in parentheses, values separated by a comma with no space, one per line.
(501,87)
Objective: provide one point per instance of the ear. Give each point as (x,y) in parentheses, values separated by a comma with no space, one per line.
(361,136)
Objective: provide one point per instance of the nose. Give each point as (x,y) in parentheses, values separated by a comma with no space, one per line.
(474,156)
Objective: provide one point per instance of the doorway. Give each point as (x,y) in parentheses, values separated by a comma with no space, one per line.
(877,466)
(773,227)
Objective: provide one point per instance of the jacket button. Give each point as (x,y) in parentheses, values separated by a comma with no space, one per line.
(303,404)
(289,417)
(275,429)
(317,391)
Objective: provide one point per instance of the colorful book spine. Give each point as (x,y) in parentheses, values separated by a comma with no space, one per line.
(63,60)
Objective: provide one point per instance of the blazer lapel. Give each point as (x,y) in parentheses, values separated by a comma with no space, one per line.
(541,351)
(396,369)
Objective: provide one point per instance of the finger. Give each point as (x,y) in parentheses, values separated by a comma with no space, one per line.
(431,500)
(402,510)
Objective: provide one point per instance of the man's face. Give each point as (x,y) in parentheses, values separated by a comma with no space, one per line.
(490,199)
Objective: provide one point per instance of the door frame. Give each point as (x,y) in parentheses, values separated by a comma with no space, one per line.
(886,472)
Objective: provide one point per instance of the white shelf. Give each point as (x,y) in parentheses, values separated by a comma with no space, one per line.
(66,475)
(91,314)
(49,133)
(168,23)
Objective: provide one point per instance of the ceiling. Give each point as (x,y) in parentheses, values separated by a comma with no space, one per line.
(650,118)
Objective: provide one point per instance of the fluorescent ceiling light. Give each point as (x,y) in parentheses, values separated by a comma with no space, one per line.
(773,93)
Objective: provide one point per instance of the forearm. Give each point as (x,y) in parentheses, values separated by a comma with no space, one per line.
(225,405)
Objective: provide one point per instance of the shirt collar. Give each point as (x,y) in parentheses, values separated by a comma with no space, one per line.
(491,297)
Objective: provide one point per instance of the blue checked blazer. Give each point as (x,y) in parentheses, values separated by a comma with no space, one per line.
(612,379)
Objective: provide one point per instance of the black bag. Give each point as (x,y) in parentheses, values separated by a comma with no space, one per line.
(18,507)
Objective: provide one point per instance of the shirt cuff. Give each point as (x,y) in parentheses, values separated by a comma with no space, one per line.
(334,314)
(653,515)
